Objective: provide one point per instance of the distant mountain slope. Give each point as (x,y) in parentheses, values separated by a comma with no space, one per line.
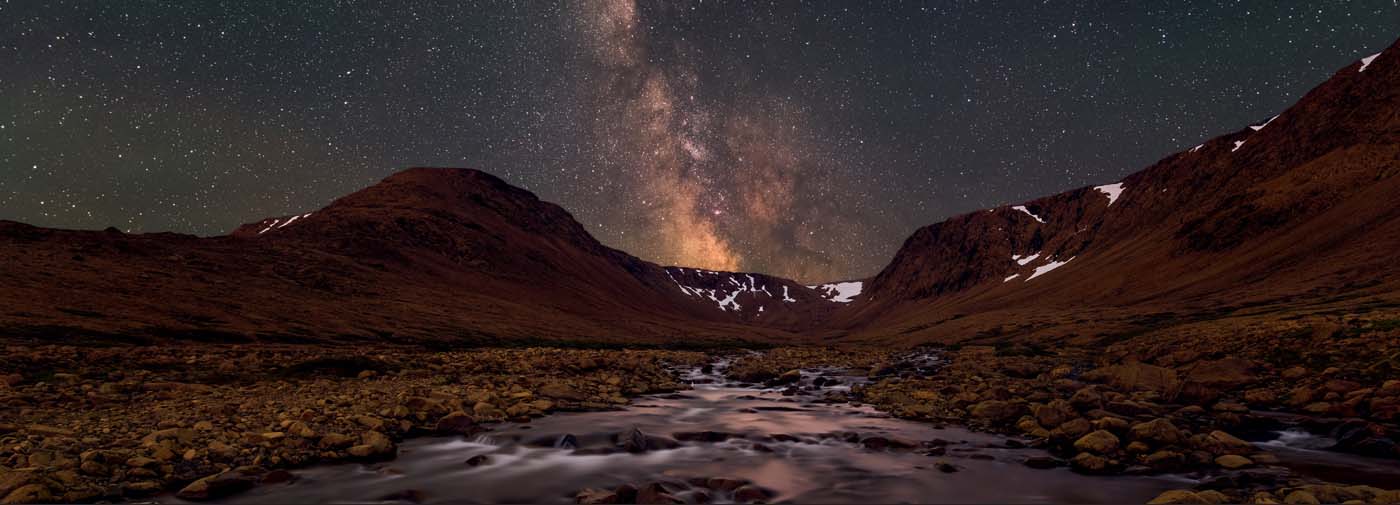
(1301,206)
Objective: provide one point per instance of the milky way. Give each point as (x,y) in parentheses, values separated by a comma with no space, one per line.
(799,139)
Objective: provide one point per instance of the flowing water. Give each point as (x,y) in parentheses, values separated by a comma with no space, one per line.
(794,445)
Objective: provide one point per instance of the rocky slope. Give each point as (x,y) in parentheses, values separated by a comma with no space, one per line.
(1294,211)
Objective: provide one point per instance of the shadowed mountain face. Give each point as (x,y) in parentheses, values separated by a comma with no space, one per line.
(1297,212)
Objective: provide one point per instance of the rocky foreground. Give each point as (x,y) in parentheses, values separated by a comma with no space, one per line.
(125,423)
(88,424)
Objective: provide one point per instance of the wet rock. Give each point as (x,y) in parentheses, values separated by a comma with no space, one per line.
(456,423)
(218,485)
(1365,438)
(752,494)
(1089,463)
(788,377)
(592,496)
(478,460)
(946,467)
(725,484)
(657,493)
(373,445)
(635,441)
(878,443)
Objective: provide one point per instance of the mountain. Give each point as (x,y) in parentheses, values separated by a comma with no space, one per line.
(1297,212)
(427,255)
(1293,215)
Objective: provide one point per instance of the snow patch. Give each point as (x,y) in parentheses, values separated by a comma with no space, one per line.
(842,292)
(1197,148)
(1008,279)
(1023,259)
(787,298)
(1112,190)
(1046,268)
(1028,212)
(1238,143)
(1366,62)
(1261,126)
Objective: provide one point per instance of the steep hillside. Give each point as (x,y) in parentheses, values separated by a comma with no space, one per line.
(1295,211)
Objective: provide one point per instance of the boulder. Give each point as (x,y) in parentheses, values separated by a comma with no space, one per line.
(1233,461)
(456,423)
(1088,463)
(1177,496)
(218,485)
(1055,413)
(1098,442)
(1157,433)
(996,410)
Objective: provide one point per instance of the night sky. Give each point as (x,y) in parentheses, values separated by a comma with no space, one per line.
(800,139)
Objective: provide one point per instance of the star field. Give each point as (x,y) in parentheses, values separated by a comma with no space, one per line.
(800,139)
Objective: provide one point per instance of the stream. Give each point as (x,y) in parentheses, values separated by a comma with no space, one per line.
(795,446)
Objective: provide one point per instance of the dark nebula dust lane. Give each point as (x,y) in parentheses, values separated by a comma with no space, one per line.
(805,140)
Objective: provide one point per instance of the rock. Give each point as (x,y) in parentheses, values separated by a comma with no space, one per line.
(28,493)
(1220,443)
(335,441)
(1098,442)
(46,430)
(789,377)
(1157,432)
(1207,380)
(703,436)
(1055,413)
(635,441)
(218,485)
(478,460)
(1088,463)
(1177,496)
(751,494)
(365,374)
(878,443)
(725,484)
(995,410)
(456,423)
(1233,461)
(1086,399)
(1301,497)
(1165,460)
(1135,376)
(561,391)
(373,445)
(1072,430)
(590,496)
(945,467)
(1365,438)
(656,493)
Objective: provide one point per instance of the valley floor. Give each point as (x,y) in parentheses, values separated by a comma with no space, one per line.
(82,424)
